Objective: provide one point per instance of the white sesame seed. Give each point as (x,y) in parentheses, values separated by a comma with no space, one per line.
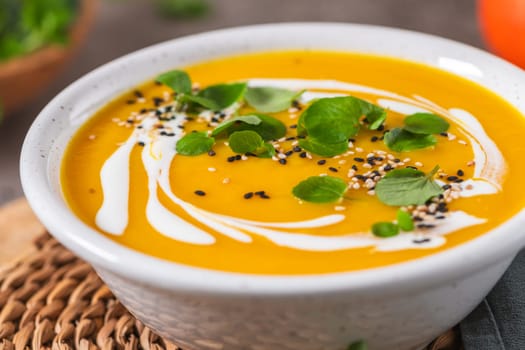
(351,173)
(243,157)
(323,174)
(350,144)
(292,116)
(281,155)
(342,161)
(226,180)
(115,120)
(418,164)
(366,165)
(390,156)
(471,163)
(358,149)
(451,137)
(211,169)
(356,186)
(92,137)
(462,142)
(406,160)
(275,158)
(308,155)
(371,192)
(370,155)
(339,208)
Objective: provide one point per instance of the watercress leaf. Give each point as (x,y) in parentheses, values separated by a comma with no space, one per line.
(225,125)
(331,120)
(223,95)
(201,101)
(358,345)
(404,220)
(323,149)
(425,123)
(194,143)
(385,229)
(320,189)
(407,187)
(270,128)
(375,116)
(401,140)
(270,99)
(245,141)
(178,80)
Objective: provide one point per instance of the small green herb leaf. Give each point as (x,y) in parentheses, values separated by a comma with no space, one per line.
(407,187)
(269,128)
(247,119)
(331,120)
(178,80)
(375,116)
(425,123)
(222,95)
(201,101)
(401,140)
(194,143)
(404,220)
(270,99)
(248,141)
(323,149)
(245,141)
(320,189)
(358,345)
(385,229)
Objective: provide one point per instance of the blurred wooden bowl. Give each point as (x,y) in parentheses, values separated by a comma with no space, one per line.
(22,78)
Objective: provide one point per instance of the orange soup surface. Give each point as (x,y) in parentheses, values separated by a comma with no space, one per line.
(236,204)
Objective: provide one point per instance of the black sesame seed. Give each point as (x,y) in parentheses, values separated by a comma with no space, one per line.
(381,127)
(411,167)
(291,138)
(297,149)
(238,157)
(354,167)
(446,187)
(321,162)
(458,181)
(260,193)
(421,241)
(231,159)
(157,101)
(248,195)
(293,126)
(425,226)
(460,172)
(351,140)
(302,154)
(140,143)
(439,217)
(358,159)
(130,102)
(265,196)
(282,161)
(289,153)
(388,167)
(452,178)
(374,138)
(211,153)
(397,160)
(138,93)
(444,134)
(143,110)
(200,193)
(379,159)
(139,126)
(332,169)
(163,133)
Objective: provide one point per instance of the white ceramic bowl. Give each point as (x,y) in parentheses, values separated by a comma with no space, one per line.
(401,306)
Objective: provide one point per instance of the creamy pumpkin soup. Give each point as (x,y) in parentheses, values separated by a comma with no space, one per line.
(298,162)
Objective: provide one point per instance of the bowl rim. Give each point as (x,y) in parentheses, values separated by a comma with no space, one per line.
(108,256)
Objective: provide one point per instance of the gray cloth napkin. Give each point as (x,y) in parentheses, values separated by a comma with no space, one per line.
(498,323)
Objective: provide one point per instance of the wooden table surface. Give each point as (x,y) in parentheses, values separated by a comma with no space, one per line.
(126,25)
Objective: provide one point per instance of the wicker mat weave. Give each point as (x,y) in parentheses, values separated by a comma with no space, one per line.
(53,300)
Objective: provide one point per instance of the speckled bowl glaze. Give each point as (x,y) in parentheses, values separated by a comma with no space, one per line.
(401,306)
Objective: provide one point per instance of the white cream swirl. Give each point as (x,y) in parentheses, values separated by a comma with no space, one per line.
(158,153)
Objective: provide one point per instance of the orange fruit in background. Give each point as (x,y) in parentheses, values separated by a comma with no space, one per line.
(503,28)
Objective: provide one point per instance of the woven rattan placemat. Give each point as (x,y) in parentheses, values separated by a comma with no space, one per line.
(50,299)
